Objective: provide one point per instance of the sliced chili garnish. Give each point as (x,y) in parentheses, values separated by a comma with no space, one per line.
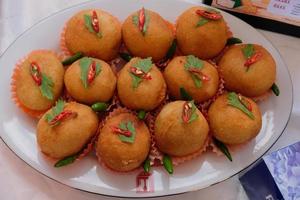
(209,15)
(186,112)
(117,130)
(92,72)
(245,102)
(198,73)
(66,114)
(140,73)
(95,22)
(253,59)
(35,71)
(141,19)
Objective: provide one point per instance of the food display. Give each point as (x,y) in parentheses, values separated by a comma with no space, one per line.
(135,98)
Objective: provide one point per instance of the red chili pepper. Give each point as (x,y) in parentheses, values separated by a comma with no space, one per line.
(142,19)
(208,14)
(245,102)
(36,73)
(117,130)
(253,59)
(186,112)
(95,22)
(198,73)
(92,72)
(140,73)
(62,116)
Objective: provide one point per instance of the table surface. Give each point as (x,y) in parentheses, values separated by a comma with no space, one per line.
(15,17)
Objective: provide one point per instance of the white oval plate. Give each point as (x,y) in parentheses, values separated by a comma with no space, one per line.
(18,130)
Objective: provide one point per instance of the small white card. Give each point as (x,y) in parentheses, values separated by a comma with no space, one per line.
(289,8)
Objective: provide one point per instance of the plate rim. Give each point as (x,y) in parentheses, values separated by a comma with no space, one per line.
(165,195)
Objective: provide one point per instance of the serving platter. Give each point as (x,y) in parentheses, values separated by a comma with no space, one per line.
(17,130)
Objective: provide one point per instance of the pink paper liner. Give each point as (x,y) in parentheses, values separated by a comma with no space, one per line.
(262,97)
(116,65)
(63,45)
(30,112)
(179,160)
(89,147)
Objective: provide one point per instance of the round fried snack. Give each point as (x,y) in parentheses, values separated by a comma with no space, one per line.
(250,81)
(81,37)
(120,155)
(177,76)
(70,135)
(204,40)
(28,91)
(154,42)
(176,137)
(101,89)
(147,95)
(231,125)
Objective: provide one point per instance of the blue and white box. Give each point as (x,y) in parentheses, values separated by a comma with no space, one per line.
(276,176)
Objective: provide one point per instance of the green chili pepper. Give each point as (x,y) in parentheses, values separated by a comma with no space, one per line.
(66,161)
(171,50)
(125,56)
(233,40)
(167,161)
(147,165)
(141,114)
(72,59)
(223,148)
(98,107)
(184,94)
(275,89)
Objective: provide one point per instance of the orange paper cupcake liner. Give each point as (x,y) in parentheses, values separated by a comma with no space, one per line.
(63,46)
(89,147)
(262,97)
(15,76)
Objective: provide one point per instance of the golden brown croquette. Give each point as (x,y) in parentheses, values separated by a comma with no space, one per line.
(79,38)
(156,40)
(28,92)
(231,125)
(119,155)
(147,95)
(252,81)
(204,41)
(177,76)
(101,89)
(175,137)
(69,136)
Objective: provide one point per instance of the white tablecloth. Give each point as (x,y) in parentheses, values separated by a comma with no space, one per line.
(19,181)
